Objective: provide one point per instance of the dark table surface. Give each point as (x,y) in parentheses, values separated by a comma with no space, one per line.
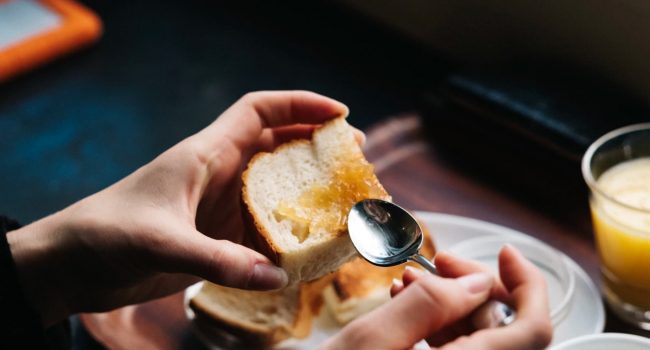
(164,70)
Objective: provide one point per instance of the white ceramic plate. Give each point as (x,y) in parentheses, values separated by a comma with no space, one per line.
(586,315)
(606,341)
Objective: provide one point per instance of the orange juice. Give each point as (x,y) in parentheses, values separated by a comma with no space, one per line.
(621,219)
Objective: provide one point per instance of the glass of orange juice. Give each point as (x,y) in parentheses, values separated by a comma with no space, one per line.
(617,170)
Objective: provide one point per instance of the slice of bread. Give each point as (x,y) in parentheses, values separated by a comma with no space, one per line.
(299,196)
(236,318)
(359,287)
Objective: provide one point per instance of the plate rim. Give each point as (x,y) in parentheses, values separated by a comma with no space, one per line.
(432,218)
(587,338)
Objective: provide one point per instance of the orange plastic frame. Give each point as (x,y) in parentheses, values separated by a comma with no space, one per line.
(79,27)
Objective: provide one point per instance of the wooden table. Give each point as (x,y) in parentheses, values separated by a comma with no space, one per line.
(415,175)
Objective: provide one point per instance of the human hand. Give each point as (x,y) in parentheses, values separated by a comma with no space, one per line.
(173,221)
(439,309)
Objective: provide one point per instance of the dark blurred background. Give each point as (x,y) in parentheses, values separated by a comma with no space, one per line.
(164,70)
(484,77)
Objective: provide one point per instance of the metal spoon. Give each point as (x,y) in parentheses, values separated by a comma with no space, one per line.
(387,235)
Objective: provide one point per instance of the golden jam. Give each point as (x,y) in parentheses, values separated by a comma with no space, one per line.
(326,206)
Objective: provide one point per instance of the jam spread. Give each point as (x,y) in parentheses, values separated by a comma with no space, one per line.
(325,207)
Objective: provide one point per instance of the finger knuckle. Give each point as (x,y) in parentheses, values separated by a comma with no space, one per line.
(217,267)
(226,267)
(253,103)
(251,97)
(541,333)
(432,297)
(193,150)
(462,342)
(360,336)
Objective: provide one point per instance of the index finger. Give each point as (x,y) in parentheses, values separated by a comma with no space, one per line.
(527,288)
(245,120)
(426,306)
(532,327)
(453,266)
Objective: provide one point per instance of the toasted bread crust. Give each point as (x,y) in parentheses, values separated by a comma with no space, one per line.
(311,299)
(359,278)
(259,236)
(219,329)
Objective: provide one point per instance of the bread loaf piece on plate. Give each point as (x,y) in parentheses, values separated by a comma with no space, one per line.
(299,196)
(359,287)
(236,318)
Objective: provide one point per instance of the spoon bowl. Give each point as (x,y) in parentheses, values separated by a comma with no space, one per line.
(382,235)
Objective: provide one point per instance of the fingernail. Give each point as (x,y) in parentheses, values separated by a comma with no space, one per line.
(359,136)
(477,282)
(267,276)
(512,248)
(397,283)
(345,110)
(446,252)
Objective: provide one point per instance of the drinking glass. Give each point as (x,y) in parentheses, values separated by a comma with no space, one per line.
(616,167)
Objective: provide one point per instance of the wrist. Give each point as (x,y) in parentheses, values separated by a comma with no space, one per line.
(36,259)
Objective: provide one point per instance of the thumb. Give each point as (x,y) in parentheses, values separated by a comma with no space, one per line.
(425,306)
(226,263)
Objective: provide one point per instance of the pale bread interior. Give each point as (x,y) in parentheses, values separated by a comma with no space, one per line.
(283,176)
(262,317)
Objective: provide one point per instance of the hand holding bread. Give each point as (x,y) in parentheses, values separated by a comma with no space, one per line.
(174,221)
(298,198)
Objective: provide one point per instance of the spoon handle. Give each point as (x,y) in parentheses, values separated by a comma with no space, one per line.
(426,263)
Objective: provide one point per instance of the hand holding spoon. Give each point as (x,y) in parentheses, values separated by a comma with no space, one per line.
(387,235)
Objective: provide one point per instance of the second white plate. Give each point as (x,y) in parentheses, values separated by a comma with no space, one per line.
(587,313)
